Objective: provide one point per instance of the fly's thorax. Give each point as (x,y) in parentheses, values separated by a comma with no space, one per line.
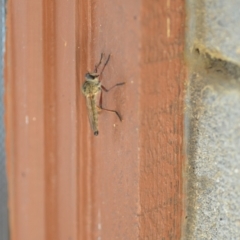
(92,85)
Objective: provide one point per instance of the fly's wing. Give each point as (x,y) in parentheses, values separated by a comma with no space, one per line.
(92,113)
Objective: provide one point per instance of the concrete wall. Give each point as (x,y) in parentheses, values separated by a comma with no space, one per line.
(3,179)
(213,120)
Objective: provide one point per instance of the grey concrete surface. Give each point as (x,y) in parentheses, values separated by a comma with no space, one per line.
(213,147)
(214,27)
(4,231)
(213,121)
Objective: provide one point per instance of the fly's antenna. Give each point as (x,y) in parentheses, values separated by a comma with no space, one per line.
(105,64)
(96,66)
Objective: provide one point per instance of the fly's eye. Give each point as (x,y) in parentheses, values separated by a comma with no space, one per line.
(90,76)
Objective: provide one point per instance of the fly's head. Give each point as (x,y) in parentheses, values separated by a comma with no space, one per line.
(91,77)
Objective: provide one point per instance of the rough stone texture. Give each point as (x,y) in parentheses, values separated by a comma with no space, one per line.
(213,121)
(214,27)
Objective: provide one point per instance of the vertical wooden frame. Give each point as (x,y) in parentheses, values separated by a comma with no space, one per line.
(64,183)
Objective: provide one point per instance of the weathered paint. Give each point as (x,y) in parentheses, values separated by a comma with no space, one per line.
(161,119)
(65,183)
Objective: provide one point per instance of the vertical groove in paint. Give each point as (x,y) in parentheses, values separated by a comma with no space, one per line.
(84,44)
(50,117)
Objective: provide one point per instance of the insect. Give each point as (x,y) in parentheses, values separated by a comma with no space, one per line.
(91,89)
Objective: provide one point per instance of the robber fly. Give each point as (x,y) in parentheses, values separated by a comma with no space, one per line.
(91,89)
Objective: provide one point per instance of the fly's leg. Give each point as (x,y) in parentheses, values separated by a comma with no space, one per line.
(96,66)
(107,90)
(113,111)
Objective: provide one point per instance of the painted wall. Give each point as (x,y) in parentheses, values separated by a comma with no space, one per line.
(65,183)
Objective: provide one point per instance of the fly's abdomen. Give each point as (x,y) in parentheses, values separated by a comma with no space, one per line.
(93,113)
